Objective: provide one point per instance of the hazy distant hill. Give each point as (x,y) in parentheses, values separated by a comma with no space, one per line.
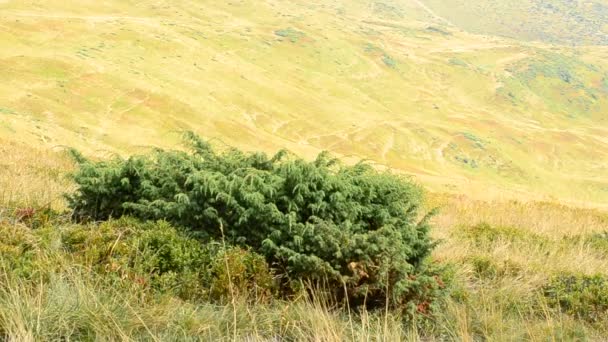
(402,83)
(572,22)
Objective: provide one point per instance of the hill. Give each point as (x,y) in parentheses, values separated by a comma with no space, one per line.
(483,100)
(397,82)
(556,21)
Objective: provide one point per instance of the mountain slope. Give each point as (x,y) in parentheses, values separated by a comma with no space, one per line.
(571,22)
(394,82)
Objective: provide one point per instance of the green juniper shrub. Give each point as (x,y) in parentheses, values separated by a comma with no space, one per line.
(583,296)
(350,226)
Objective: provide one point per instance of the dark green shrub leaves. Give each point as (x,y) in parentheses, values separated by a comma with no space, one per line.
(350,226)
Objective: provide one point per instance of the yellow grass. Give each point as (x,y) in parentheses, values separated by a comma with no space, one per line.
(361,80)
(365,80)
(533,242)
(33,177)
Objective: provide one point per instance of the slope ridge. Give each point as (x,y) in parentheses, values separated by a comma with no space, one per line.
(391,83)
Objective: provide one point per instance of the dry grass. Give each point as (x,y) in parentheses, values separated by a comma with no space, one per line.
(499,272)
(33,177)
(67,302)
(440,108)
(540,237)
(546,218)
(95,89)
(505,264)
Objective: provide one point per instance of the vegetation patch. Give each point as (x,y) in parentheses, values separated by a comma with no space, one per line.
(18,249)
(387,10)
(467,161)
(237,272)
(458,62)
(583,296)
(152,255)
(563,82)
(157,256)
(7,111)
(371,48)
(293,35)
(486,235)
(473,138)
(438,30)
(350,227)
(389,61)
(486,268)
(377,51)
(598,241)
(553,66)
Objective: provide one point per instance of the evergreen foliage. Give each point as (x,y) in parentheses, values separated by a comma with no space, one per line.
(351,226)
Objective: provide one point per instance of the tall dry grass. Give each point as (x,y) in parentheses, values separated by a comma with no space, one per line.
(33,177)
(499,271)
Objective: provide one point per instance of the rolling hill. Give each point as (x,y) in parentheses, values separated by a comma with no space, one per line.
(569,22)
(488,105)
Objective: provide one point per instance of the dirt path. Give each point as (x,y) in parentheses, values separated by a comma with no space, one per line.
(388,146)
(432,13)
(439,151)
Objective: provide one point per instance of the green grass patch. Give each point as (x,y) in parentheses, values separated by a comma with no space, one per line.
(473,138)
(598,241)
(371,48)
(7,111)
(486,235)
(436,29)
(387,10)
(389,61)
(486,268)
(458,62)
(293,35)
(582,296)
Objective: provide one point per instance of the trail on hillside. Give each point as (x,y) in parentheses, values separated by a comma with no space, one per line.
(83,17)
(388,146)
(432,13)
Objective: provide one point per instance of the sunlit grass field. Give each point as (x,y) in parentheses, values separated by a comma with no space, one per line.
(509,136)
(503,254)
(386,81)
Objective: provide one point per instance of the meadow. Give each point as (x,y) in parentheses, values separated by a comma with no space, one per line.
(504,125)
(505,257)
(387,81)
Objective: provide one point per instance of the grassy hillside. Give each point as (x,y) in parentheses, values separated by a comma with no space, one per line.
(556,21)
(509,260)
(508,132)
(392,81)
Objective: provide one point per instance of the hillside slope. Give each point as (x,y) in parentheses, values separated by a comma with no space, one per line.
(396,82)
(570,22)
